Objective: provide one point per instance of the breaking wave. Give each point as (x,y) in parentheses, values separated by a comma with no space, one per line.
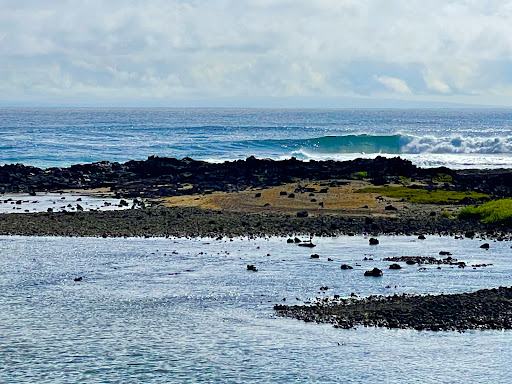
(391,144)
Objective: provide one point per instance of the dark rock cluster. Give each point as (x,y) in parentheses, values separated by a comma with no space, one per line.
(483,309)
(157,176)
(411,260)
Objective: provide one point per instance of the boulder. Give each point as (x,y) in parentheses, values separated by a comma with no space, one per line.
(395,266)
(375,272)
(346,266)
(251,267)
(485,246)
(302,214)
(373,241)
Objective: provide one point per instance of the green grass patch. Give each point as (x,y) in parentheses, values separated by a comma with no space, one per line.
(404,180)
(360,175)
(422,196)
(494,212)
(442,178)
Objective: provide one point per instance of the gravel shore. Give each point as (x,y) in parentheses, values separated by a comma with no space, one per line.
(196,222)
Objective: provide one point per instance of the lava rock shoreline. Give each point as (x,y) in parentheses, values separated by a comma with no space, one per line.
(483,309)
(164,177)
(196,222)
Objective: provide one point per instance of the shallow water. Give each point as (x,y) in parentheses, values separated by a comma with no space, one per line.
(187,310)
(59,202)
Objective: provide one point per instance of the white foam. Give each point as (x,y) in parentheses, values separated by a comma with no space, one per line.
(457,144)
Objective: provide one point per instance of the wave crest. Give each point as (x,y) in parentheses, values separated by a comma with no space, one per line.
(390,144)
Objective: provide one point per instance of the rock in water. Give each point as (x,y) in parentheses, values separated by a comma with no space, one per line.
(375,272)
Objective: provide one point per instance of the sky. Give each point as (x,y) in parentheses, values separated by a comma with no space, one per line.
(272,53)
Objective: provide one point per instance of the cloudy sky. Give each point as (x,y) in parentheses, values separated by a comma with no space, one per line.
(255,52)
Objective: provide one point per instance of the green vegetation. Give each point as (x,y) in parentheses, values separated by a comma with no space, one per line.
(404,180)
(442,178)
(447,214)
(360,175)
(422,196)
(495,212)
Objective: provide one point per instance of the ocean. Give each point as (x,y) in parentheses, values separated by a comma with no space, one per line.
(456,138)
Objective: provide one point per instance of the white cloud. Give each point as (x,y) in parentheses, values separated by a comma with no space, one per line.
(393,83)
(190,49)
(435,83)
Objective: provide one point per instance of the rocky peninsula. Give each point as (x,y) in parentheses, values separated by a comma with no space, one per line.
(483,309)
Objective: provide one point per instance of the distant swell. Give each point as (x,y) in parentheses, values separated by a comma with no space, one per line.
(392,144)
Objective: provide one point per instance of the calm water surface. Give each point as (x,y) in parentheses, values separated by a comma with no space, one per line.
(188,311)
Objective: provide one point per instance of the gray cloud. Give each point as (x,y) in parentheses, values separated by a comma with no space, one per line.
(182,51)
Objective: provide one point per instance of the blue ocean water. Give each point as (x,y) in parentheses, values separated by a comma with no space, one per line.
(55,137)
(188,311)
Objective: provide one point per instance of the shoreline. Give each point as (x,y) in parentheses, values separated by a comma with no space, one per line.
(256,198)
(197,222)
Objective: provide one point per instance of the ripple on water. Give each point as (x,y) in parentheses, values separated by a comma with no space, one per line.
(157,310)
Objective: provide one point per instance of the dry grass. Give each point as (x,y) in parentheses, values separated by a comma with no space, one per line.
(338,200)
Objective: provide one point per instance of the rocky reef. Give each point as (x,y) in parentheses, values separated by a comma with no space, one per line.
(483,309)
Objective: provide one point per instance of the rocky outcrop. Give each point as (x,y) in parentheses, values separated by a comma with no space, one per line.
(484,309)
(159,176)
